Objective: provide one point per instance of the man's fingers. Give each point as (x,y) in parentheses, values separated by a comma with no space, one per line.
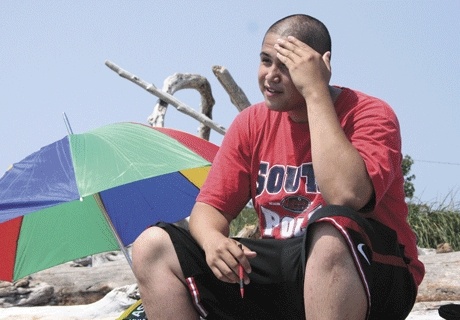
(225,265)
(224,273)
(297,42)
(290,49)
(293,44)
(283,52)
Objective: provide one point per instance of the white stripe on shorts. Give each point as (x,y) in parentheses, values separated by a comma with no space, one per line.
(196,296)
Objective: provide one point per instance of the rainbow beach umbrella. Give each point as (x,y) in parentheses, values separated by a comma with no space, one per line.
(95,192)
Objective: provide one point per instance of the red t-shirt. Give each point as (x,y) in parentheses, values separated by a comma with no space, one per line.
(266,157)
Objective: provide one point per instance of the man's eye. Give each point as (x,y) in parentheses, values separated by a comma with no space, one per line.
(265,61)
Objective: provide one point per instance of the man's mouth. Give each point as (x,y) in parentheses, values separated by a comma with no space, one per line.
(271,90)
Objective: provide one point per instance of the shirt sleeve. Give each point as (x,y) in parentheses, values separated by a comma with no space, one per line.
(227,187)
(375,133)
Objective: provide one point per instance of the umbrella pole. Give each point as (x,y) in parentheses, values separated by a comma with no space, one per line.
(98,199)
(67,123)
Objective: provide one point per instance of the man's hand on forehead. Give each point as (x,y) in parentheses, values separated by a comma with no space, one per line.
(306,66)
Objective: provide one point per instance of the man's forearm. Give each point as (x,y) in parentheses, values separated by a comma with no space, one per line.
(205,221)
(339,168)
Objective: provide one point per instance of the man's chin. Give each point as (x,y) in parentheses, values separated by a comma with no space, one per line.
(273,106)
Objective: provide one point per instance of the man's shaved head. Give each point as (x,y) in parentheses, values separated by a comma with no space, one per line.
(307,29)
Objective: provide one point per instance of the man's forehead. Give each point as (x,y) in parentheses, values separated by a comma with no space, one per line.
(270,40)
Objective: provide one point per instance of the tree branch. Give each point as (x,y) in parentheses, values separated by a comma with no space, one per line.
(180,106)
(180,81)
(237,96)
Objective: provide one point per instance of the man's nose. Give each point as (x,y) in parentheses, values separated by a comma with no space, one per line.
(273,75)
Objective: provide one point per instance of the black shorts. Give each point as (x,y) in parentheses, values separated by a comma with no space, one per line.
(277,277)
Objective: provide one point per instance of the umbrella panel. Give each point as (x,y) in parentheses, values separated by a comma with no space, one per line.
(134,207)
(55,235)
(43,179)
(118,154)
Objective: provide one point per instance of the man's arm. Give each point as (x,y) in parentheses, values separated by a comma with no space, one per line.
(339,168)
(210,228)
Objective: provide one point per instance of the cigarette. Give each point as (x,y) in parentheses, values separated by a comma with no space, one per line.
(241,275)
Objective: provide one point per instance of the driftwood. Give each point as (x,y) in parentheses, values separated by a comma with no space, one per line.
(180,106)
(180,81)
(237,96)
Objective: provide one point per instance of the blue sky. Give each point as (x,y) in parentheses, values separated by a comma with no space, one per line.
(52,56)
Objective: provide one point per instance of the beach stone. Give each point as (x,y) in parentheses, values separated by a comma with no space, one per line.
(39,296)
(23,283)
(68,284)
(444,248)
(83,285)
(110,307)
(442,278)
(7,291)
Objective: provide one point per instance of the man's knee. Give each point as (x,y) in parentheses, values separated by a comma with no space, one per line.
(331,275)
(149,246)
(327,245)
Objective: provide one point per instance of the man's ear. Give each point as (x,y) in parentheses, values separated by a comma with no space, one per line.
(327,59)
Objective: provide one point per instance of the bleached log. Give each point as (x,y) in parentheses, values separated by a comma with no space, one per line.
(180,81)
(180,106)
(237,96)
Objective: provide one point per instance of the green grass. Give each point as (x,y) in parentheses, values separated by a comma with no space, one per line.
(435,224)
(432,223)
(247,216)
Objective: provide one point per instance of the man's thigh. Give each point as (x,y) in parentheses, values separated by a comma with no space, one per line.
(379,260)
